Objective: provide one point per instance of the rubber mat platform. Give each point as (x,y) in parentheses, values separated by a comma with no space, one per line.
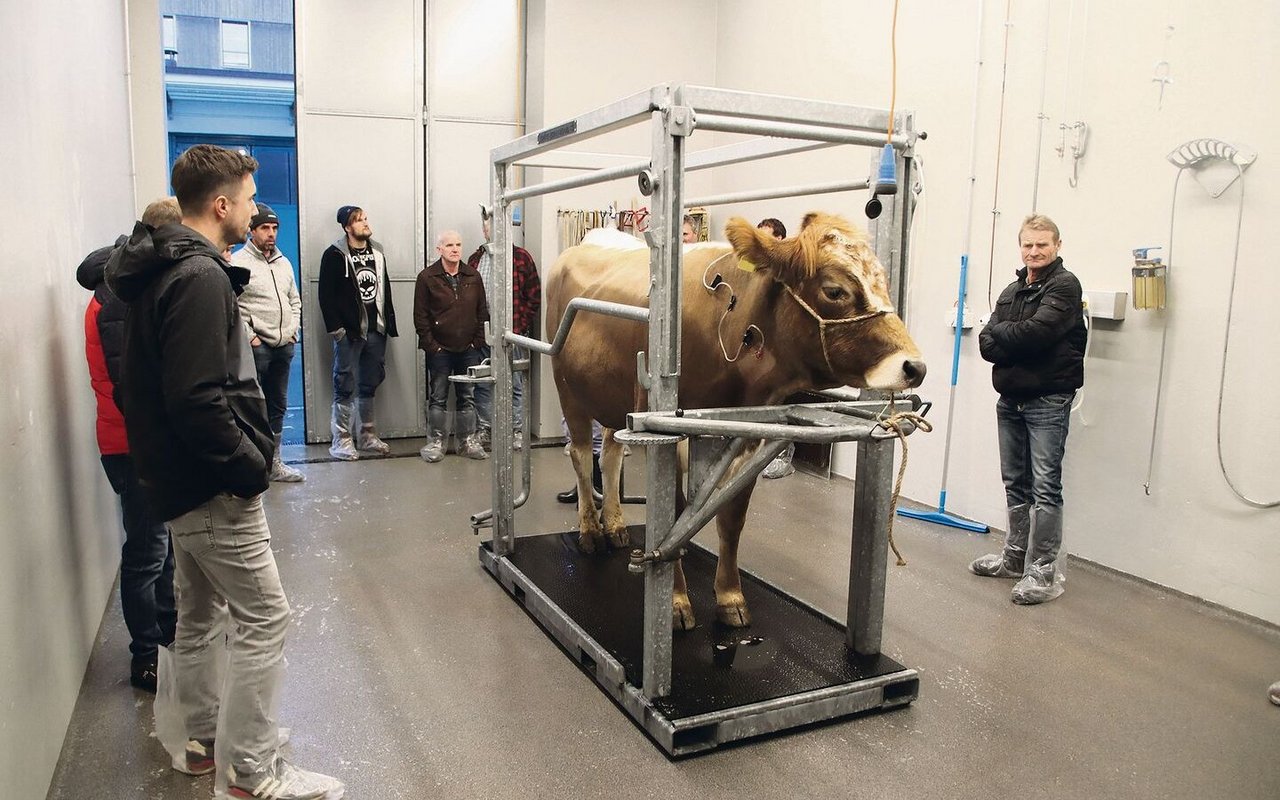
(790,668)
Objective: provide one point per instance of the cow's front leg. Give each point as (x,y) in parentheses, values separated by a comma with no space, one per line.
(681,609)
(731,605)
(615,527)
(590,535)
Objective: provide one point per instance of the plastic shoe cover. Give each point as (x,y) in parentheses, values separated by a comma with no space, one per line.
(485,437)
(471,448)
(1042,583)
(343,449)
(199,760)
(517,441)
(997,565)
(284,473)
(284,782)
(433,451)
(780,467)
(368,440)
(1274,693)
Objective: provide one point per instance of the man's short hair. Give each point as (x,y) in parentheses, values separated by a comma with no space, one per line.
(1039,222)
(162,212)
(779,230)
(205,171)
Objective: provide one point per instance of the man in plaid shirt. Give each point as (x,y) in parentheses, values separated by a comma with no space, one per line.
(526,300)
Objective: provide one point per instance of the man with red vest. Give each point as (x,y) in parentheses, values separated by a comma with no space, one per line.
(146,559)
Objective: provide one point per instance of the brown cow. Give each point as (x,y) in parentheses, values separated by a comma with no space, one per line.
(812,312)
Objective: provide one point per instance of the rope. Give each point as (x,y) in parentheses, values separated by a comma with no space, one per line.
(894,423)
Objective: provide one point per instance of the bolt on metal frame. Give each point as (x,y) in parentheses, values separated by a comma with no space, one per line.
(675,112)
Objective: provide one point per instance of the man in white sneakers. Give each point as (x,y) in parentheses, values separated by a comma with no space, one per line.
(272,314)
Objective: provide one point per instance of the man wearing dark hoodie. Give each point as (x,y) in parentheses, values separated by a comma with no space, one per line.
(198,431)
(146,558)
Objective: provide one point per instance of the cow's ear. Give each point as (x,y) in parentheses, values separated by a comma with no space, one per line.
(756,249)
(809,219)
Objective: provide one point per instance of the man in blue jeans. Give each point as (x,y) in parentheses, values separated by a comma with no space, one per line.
(449,313)
(198,432)
(1035,339)
(272,314)
(354,291)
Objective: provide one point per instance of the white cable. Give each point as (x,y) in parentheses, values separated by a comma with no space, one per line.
(1078,406)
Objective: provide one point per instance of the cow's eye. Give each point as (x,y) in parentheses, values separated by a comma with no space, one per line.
(834,293)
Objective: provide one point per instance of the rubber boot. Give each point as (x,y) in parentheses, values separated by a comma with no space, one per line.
(281,471)
(343,447)
(597,485)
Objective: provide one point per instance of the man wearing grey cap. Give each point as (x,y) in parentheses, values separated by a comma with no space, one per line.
(355,300)
(272,314)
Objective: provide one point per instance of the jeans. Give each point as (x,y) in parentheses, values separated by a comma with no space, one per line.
(146,564)
(365,358)
(439,367)
(1033,439)
(273,376)
(484,395)
(225,568)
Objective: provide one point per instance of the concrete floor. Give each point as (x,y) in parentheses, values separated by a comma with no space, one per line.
(413,675)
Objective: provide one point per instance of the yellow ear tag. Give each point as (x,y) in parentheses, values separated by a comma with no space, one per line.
(746,266)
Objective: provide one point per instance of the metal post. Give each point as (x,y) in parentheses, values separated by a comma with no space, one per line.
(664,369)
(500,314)
(872,489)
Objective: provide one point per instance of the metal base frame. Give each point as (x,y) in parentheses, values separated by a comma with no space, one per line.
(720,714)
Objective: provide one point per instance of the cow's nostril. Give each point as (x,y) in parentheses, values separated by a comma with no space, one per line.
(914,369)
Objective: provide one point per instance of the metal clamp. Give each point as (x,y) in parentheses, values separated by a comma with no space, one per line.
(681,121)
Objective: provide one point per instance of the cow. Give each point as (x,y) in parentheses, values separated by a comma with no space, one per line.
(811,312)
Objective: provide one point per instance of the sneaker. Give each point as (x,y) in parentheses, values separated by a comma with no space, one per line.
(779,467)
(486,439)
(997,565)
(1274,693)
(199,758)
(142,673)
(471,448)
(284,473)
(368,441)
(284,782)
(517,441)
(433,451)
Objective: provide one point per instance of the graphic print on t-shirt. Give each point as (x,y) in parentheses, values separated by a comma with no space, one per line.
(366,274)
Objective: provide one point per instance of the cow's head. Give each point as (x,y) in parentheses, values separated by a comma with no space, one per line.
(833,310)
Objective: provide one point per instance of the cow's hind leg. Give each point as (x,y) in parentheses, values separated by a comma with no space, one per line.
(681,608)
(731,605)
(590,537)
(615,527)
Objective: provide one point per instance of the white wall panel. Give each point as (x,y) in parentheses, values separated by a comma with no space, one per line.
(360,57)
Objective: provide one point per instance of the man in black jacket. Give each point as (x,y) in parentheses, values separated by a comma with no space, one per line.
(198,431)
(355,300)
(1035,340)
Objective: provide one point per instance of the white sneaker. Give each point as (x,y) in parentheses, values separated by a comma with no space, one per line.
(284,782)
(471,448)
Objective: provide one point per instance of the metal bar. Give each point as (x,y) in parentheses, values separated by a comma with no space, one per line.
(626,111)
(770,194)
(694,518)
(855,431)
(793,130)
(872,488)
(599,176)
(634,313)
(706,99)
(665,257)
(577,159)
(750,150)
(500,305)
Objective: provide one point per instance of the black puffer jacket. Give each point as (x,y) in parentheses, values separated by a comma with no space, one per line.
(91,274)
(1036,336)
(196,418)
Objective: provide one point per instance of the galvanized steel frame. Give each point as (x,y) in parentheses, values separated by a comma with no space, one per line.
(675,112)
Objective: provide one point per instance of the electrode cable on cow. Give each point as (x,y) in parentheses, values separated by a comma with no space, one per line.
(712,286)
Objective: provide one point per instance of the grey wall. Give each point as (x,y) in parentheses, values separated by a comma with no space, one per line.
(71,187)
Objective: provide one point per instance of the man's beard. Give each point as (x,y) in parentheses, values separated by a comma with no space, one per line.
(363,239)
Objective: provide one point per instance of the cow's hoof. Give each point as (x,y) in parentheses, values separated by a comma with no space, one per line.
(682,614)
(590,542)
(735,615)
(619,538)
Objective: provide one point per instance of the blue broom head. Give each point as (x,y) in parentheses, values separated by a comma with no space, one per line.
(887,177)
